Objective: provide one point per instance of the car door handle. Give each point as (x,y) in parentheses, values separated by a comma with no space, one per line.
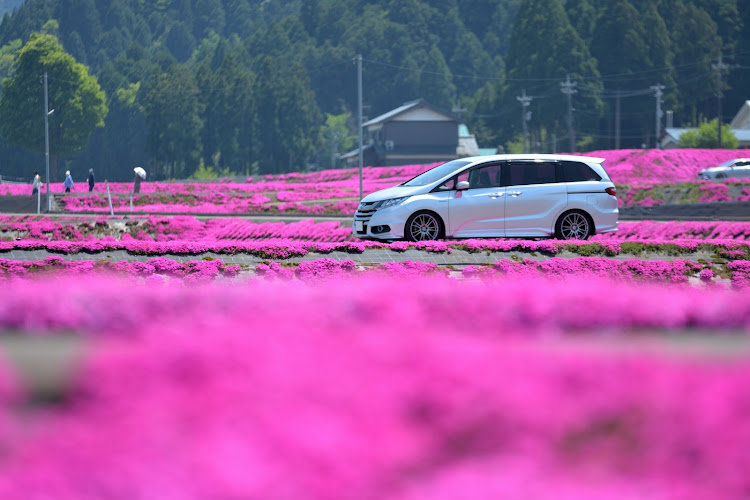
(514,193)
(494,196)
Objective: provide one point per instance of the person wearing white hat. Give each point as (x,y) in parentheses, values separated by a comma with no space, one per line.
(36,183)
(68,181)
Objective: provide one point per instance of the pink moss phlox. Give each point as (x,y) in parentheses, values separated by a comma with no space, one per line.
(668,166)
(432,246)
(656,271)
(740,273)
(714,192)
(324,269)
(274,270)
(699,230)
(530,388)
(411,269)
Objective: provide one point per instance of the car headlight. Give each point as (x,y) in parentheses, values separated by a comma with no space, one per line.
(391,203)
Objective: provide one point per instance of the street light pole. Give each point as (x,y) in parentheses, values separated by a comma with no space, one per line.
(359,119)
(46,139)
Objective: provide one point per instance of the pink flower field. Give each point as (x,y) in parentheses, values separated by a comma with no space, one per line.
(183,357)
(644,177)
(661,166)
(375,388)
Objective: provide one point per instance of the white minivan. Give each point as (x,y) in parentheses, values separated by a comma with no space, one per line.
(524,196)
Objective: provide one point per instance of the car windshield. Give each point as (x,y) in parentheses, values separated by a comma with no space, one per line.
(726,164)
(437,173)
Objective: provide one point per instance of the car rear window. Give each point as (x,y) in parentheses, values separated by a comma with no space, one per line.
(575,171)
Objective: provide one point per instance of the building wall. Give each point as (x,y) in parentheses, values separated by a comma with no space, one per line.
(414,133)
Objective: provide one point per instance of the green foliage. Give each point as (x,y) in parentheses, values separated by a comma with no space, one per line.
(8,54)
(532,57)
(631,248)
(515,145)
(204,173)
(171,97)
(707,137)
(288,118)
(588,249)
(479,55)
(337,138)
(75,96)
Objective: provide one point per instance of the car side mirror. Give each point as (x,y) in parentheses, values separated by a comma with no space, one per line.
(462,185)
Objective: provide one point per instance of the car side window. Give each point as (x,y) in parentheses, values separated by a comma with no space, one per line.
(525,173)
(486,176)
(575,171)
(451,183)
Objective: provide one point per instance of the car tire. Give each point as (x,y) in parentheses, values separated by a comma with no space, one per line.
(574,225)
(423,226)
(721,176)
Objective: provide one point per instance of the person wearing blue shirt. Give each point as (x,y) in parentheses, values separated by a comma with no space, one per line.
(68,182)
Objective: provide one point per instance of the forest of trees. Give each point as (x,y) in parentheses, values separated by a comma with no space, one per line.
(270,86)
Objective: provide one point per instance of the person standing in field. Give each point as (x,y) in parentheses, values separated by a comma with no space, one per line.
(91,179)
(137,184)
(68,183)
(36,183)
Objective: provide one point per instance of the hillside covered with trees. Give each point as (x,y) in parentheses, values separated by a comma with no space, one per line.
(270,86)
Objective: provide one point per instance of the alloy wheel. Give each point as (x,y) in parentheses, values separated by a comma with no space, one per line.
(575,226)
(424,227)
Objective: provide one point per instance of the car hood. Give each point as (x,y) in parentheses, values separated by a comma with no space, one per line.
(394,192)
(714,169)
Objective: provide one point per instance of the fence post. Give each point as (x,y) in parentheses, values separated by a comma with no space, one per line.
(131,202)
(39,200)
(109,198)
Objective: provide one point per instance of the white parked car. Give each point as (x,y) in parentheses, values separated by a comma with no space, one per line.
(738,168)
(568,197)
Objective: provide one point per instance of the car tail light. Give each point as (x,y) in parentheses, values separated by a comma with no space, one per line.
(611,191)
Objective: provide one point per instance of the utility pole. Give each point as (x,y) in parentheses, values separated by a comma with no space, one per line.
(658,93)
(46,139)
(525,102)
(568,88)
(458,111)
(617,120)
(720,67)
(359,118)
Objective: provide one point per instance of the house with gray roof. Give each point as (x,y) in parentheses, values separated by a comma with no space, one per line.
(414,133)
(740,126)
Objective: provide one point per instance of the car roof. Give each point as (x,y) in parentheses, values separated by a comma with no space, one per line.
(549,157)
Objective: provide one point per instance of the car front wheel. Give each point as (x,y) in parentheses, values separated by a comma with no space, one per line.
(574,225)
(423,226)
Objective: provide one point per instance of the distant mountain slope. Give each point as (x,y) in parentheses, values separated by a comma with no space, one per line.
(9,5)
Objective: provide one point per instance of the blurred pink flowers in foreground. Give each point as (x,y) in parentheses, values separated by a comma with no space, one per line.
(380,388)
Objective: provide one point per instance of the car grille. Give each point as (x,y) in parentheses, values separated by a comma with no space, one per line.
(364,214)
